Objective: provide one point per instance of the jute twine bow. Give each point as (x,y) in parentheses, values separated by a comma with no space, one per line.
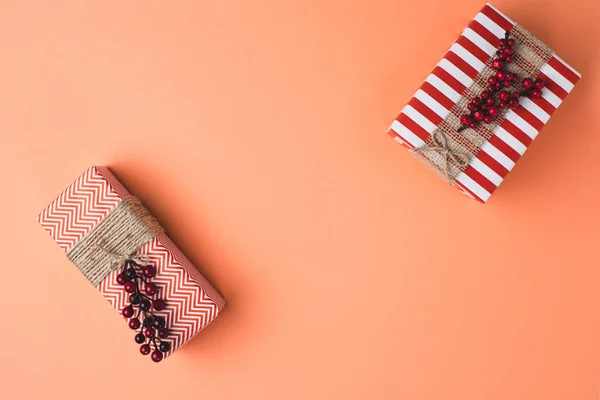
(441,146)
(114,240)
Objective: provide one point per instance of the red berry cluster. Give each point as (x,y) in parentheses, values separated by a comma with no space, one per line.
(497,96)
(153,326)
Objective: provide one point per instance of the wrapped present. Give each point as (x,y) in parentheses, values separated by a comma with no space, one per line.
(123,251)
(484,103)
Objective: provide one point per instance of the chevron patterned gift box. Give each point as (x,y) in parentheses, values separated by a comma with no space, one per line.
(475,150)
(87,219)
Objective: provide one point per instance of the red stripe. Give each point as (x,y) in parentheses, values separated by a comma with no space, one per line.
(497,18)
(461,64)
(516,132)
(426,111)
(473,49)
(480,179)
(413,126)
(448,79)
(529,117)
(492,163)
(504,148)
(553,86)
(544,105)
(437,95)
(564,70)
(484,33)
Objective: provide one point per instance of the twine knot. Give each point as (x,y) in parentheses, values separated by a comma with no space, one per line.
(441,146)
(116,260)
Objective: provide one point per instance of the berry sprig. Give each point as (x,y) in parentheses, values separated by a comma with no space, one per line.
(153,326)
(498,97)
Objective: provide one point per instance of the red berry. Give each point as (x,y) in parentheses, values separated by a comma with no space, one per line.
(484,95)
(493,111)
(471,106)
(509,59)
(476,100)
(490,101)
(497,64)
(507,51)
(513,103)
(164,333)
(527,83)
(516,95)
(515,78)
(488,119)
(465,120)
(478,115)
(491,88)
(145,349)
(503,43)
(159,304)
(504,95)
(149,332)
(508,76)
(129,287)
(492,80)
(128,312)
(498,85)
(157,356)
(485,107)
(511,42)
(150,289)
(500,75)
(536,93)
(507,83)
(502,56)
(149,271)
(134,323)
(539,83)
(120,279)
(502,104)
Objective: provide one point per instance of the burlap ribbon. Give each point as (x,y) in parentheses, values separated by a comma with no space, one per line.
(116,239)
(459,148)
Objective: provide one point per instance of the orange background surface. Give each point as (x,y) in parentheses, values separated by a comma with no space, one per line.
(255,131)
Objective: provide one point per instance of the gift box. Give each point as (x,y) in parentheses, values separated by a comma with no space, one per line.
(484,103)
(123,251)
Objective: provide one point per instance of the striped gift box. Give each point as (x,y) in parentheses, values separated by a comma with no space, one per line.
(191,301)
(449,80)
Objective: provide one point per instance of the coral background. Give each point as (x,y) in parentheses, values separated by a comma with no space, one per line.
(255,131)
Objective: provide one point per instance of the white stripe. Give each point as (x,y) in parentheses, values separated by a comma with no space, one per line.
(521,124)
(479,41)
(498,155)
(510,140)
(495,9)
(455,72)
(406,134)
(431,103)
(419,118)
(467,56)
(486,171)
(551,97)
(557,77)
(566,65)
(490,25)
(473,186)
(443,87)
(535,109)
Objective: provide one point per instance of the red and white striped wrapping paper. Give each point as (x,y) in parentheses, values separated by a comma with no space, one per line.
(192,302)
(450,78)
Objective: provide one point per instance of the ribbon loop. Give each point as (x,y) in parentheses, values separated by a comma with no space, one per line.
(441,146)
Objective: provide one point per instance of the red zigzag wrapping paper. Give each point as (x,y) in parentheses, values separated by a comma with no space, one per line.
(192,302)
(450,78)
